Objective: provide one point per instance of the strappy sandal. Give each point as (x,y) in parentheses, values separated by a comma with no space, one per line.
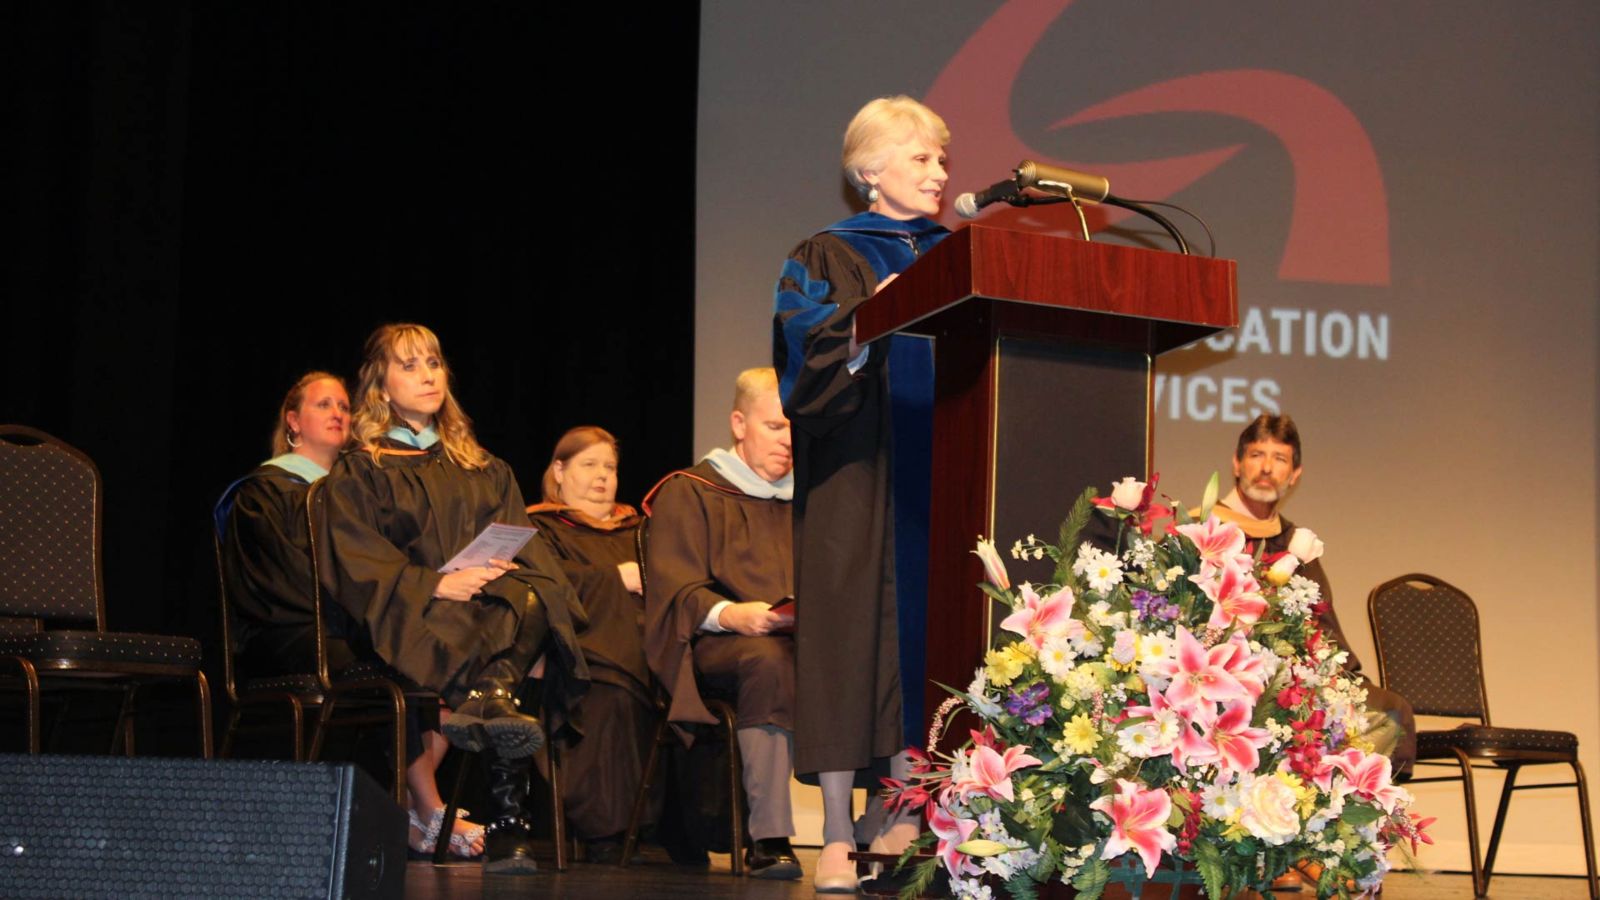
(460,842)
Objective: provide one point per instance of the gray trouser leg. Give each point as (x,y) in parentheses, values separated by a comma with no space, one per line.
(768,753)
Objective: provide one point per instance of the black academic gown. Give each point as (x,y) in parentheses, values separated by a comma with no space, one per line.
(266,567)
(392,522)
(601,773)
(848,699)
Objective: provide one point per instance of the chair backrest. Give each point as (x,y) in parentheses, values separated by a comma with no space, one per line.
(1429,650)
(316,518)
(226,618)
(641,537)
(50,519)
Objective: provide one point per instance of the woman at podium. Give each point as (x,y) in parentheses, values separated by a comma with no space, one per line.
(861,439)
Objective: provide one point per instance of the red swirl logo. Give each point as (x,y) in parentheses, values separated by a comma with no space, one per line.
(1339,222)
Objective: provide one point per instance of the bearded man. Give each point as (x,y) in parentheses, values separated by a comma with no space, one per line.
(1266,466)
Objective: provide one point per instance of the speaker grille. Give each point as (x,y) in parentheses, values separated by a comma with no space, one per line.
(117,827)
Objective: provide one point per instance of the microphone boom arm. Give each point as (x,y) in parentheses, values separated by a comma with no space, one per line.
(1112,200)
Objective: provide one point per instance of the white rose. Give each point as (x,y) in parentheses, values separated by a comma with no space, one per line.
(1127,493)
(1268,810)
(1305,545)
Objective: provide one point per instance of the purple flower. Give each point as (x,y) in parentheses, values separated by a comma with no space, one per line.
(1028,703)
(1151,607)
(1335,735)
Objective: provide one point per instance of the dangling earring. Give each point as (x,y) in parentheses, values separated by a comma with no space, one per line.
(872,194)
(292,439)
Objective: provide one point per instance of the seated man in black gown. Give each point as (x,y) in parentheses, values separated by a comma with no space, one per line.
(719,556)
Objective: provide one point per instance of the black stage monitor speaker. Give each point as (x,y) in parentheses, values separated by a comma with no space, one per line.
(95,826)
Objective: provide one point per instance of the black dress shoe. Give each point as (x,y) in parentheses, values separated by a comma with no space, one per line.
(608,852)
(773,859)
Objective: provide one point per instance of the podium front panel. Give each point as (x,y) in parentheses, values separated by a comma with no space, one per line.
(1067,417)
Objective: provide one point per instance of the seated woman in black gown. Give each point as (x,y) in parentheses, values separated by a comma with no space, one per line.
(413,492)
(266,560)
(593,536)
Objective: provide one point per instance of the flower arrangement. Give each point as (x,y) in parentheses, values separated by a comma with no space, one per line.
(1169,702)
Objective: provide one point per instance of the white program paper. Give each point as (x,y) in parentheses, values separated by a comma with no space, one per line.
(498,541)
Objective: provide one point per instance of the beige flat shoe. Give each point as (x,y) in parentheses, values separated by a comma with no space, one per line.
(836,871)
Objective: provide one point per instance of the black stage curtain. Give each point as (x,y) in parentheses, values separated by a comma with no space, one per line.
(209,199)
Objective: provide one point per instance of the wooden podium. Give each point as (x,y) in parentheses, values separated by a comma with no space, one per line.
(1043,352)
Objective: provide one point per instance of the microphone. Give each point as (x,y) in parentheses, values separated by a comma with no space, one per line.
(1084,186)
(968,204)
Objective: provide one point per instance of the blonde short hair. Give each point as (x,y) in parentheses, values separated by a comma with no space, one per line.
(752,383)
(882,124)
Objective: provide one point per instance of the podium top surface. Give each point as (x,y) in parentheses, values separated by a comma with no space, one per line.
(1183,298)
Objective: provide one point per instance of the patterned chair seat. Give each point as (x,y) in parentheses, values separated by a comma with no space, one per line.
(101,648)
(1489,741)
(367,669)
(304,685)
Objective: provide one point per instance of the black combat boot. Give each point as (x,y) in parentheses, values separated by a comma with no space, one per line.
(487,715)
(507,841)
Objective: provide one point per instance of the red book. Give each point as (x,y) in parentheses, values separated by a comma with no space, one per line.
(786,609)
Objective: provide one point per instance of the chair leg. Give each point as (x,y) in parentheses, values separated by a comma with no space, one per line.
(397,704)
(1480,886)
(297,729)
(441,849)
(1499,822)
(122,734)
(324,716)
(558,806)
(1588,830)
(30,678)
(226,751)
(641,801)
(202,704)
(735,788)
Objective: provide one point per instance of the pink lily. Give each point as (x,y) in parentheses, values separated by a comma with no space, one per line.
(952,833)
(1234,593)
(1367,775)
(1246,666)
(1193,747)
(1216,540)
(1041,618)
(1237,744)
(1200,676)
(1138,822)
(989,772)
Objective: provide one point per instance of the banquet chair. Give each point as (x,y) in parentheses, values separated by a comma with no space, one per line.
(52,592)
(1430,651)
(293,692)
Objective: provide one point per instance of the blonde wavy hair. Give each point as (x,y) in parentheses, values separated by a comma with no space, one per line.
(373,416)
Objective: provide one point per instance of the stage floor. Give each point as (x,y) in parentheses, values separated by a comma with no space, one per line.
(658,878)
